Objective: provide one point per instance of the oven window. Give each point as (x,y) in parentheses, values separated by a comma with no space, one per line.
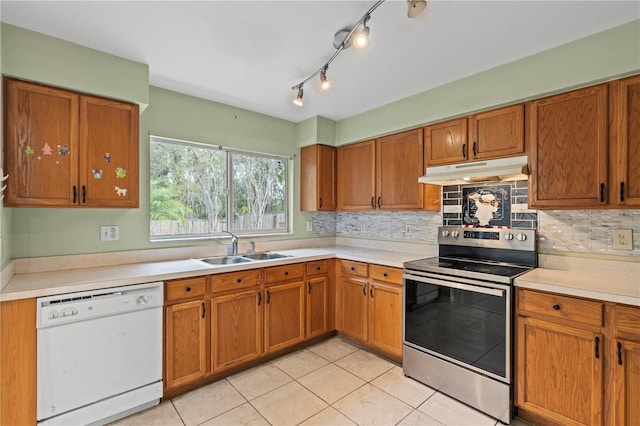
(464,325)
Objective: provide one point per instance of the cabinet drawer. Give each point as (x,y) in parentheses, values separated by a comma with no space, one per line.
(284,273)
(186,288)
(628,323)
(386,273)
(354,268)
(319,267)
(235,280)
(581,311)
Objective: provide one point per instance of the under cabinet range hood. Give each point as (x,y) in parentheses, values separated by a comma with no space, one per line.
(501,169)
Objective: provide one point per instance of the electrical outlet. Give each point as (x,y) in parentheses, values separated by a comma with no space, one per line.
(407,229)
(363,228)
(623,239)
(109,233)
(309,226)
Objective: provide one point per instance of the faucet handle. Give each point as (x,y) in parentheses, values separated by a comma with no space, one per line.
(253,247)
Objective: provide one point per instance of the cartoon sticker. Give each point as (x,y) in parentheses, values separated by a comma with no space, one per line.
(121,191)
(63,149)
(28,150)
(120,172)
(97,174)
(107,157)
(47,149)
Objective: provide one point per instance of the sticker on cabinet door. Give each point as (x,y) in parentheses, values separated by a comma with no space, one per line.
(121,172)
(29,151)
(107,157)
(121,191)
(63,150)
(97,174)
(46,150)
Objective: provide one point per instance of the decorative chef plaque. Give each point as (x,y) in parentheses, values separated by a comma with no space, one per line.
(486,206)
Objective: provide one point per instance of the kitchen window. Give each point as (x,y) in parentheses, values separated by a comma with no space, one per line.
(201,191)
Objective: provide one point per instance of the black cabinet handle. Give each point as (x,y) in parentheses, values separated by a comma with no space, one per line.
(320,202)
(353,268)
(464,150)
(597,347)
(259,298)
(475,152)
(268,296)
(619,353)
(364,289)
(556,307)
(379,201)
(373,202)
(371,291)
(75,195)
(188,289)
(602,192)
(621,191)
(204,310)
(286,273)
(317,268)
(239,280)
(84,194)
(385,275)
(309,287)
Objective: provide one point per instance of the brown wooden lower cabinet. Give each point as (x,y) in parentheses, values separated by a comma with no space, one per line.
(577,360)
(284,315)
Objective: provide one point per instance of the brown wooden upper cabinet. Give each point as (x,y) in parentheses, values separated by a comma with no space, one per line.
(318,178)
(382,173)
(625,142)
(64,149)
(490,134)
(568,149)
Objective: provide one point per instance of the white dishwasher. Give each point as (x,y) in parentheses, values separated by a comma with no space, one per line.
(99,354)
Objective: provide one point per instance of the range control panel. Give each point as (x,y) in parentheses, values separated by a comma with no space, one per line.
(518,239)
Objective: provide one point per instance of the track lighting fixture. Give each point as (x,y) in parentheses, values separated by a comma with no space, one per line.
(357,35)
(298,100)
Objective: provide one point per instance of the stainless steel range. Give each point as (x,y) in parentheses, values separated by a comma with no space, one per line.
(458,315)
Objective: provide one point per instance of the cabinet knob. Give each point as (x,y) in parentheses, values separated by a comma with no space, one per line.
(188,289)
(317,268)
(385,275)
(239,280)
(286,272)
(556,307)
(353,269)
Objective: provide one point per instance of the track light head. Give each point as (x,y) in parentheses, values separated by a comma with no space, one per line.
(298,100)
(416,7)
(361,37)
(325,83)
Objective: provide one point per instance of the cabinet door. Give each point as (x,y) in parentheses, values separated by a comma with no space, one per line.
(626,376)
(357,176)
(559,372)
(354,307)
(317,306)
(41,145)
(446,142)
(109,160)
(318,178)
(399,164)
(236,329)
(568,155)
(185,343)
(627,184)
(385,317)
(497,133)
(284,315)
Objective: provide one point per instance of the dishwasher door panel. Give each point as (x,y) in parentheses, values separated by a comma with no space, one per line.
(118,352)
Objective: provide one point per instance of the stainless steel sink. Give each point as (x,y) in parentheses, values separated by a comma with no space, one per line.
(265,255)
(225,260)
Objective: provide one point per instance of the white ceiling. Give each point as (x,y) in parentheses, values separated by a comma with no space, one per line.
(250,53)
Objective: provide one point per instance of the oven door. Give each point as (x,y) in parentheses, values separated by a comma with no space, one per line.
(461,320)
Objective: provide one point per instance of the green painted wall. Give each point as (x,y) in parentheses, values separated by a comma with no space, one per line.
(600,57)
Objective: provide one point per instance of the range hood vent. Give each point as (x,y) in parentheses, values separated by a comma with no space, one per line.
(502,169)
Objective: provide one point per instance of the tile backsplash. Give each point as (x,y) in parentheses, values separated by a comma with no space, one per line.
(576,231)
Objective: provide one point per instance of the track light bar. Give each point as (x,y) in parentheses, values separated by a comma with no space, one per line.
(346,37)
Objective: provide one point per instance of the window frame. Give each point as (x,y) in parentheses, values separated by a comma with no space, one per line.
(229,213)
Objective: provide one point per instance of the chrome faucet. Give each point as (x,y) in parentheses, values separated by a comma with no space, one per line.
(234,243)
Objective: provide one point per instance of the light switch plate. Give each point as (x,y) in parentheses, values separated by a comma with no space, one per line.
(109,233)
(623,239)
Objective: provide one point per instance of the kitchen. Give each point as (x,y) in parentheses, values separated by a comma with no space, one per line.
(48,233)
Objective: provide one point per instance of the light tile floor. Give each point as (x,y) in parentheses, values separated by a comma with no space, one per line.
(330,383)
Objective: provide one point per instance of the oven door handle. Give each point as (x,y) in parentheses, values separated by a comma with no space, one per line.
(476,289)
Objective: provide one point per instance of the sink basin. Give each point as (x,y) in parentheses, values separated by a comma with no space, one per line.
(225,260)
(265,255)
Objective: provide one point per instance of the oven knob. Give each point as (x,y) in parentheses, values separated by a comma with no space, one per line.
(445,233)
(521,237)
(455,234)
(508,236)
